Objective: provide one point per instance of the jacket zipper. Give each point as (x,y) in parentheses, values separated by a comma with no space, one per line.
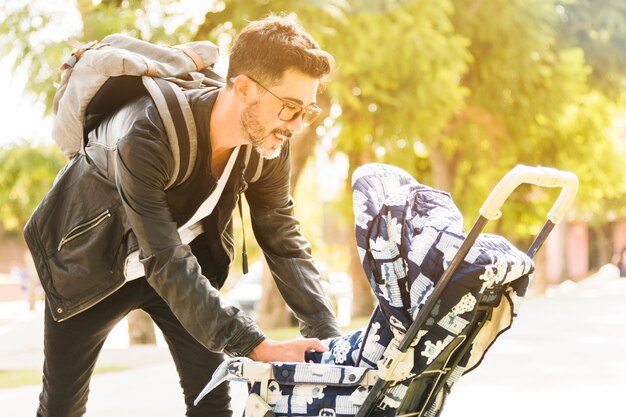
(84,228)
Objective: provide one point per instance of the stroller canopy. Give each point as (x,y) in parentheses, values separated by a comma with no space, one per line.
(407,234)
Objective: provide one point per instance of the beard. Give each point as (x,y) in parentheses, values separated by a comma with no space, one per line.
(257,134)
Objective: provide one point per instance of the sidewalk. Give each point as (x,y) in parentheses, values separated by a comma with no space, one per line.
(148,386)
(564,356)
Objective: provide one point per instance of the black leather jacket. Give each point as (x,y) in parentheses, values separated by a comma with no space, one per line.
(82,231)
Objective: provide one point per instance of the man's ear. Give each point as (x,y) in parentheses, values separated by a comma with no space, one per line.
(244,89)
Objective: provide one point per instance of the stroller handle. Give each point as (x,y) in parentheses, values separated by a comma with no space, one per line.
(541,176)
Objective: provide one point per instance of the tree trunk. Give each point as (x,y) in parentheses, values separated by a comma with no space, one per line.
(273,311)
(33,281)
(362,298)
(602,248)
(443,169)
(540,282)
(301,147)
(140,328)
(87,10)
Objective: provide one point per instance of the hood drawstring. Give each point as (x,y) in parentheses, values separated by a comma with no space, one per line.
(244,253)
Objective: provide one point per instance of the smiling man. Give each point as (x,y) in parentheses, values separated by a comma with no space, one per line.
(290,111)
(275,70)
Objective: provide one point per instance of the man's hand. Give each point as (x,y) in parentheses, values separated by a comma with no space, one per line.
(290,351)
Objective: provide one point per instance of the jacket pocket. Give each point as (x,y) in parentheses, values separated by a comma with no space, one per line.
(75,236)
(85,227)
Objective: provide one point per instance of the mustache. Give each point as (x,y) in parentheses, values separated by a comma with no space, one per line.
(283,132)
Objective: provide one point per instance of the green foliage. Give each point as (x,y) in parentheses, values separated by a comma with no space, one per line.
(398,75)
(23,29)
(529,97)
(455,91)
(36,32)
(599,28)
(26,174)
(593,156)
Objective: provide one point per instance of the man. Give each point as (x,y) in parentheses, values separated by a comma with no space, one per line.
(274,73)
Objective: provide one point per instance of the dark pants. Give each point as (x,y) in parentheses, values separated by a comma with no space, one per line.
(71,349)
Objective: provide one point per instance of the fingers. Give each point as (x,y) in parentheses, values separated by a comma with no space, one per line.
(300,346)
(289,351)
(316,345)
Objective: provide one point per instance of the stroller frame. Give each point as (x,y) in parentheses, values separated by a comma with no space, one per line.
(521,174)
(426,392)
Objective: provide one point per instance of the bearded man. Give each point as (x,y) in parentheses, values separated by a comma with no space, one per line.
(275,70)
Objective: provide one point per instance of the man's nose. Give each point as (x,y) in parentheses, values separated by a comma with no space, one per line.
(295,125)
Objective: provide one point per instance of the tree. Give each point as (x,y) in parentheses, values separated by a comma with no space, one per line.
(397,84)
(520,84)
(455,91)
(134,18)
(519,95)
(599,28)
(26,174)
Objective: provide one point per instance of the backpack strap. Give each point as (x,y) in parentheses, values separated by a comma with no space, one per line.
(181,131)
(179,124)
(253,164)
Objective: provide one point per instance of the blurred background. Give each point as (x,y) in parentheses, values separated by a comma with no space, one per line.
(456,92)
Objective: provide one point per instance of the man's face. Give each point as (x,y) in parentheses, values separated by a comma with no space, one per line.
(260,121)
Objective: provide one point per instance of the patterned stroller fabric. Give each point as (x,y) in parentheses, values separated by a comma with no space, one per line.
(297,389)
(407,234)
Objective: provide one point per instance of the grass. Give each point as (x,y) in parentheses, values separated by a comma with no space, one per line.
(286,333)
(25,377)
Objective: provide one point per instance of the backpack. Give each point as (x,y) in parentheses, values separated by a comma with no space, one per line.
(101,77)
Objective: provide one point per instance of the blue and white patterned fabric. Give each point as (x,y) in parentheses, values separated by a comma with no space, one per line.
(407,234)
(299,389)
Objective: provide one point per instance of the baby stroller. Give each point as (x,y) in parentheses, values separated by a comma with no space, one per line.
(443,298)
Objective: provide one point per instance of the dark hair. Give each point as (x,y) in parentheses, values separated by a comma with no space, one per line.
(266,48)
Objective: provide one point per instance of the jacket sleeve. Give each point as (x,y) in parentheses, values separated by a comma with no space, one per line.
(287,251)
(143,165)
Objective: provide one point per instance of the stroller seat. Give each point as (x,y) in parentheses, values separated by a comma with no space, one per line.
(407,236)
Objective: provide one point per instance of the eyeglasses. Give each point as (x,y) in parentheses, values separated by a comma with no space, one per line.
(290,110)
